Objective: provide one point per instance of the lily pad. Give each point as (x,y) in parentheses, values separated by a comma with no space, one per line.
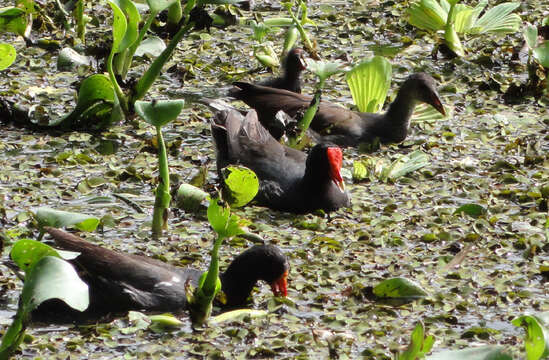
(398,288)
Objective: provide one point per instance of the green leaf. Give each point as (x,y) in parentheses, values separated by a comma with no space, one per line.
(119,26)
(426,113)
(490,352)
(14,20)
(218,215)
(132,23)
(69,59)
(369,82)
(537,335)
(531,35)
(237,315)
(57,218)
(159,113)
(498,20)
(259,31)
(403,165)
(452,40)
(398,288)
(54,278)
(190,198)
(416,344)
(324,69)
(473,210)
(241,185)
(151,46)
(165,321)
(427,15)
(26,253)
(7,55)
(541,54)
(157,6)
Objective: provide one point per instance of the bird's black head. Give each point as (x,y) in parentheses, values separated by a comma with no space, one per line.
(422,87)
(295,60)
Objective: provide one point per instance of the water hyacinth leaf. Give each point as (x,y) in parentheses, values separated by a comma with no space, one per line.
(452,40)
(218,215)
(26,253)
(237,315)
(266,55)
(427,15)
(498,20)
(531,35)
(260,30)
(426,113)
(359,171)
(473,210)
(324,69)
(132,23)
(398,288)
(490,352)
(69,59)
(119,26)
(157,6)
(7,55)
(419,344)
(369,82)
(159,113)
(190,198)
(165,321)
(57,218)
(54,278)
(290,39)
(536,342)
(14,20)
(241,185)
(151,46)
(278,21)
(541,53)
(403,165)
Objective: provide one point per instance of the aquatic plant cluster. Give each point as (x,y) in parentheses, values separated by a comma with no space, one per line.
(407,226)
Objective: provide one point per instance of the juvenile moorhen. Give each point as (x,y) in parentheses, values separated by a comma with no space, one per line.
(293,65)
(120,282)
(289,179)
(336,124)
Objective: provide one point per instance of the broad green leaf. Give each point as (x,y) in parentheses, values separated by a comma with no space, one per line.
(498,20)
(403,165)
(165,321)
(537,335)
(290,39)
(7,55)
(278,21)
(463,15)
(369,82)
(490,352)
(427,15)
(132,23)
(69,59)
(541,53)
(452,40)
(473,210)
(96,100)
(54,278)
(159,113)
(151,46)
(119,26)
(531,35)
(398,288)
(241,185)
(13,19)
(237,315)
(26,253)
(426,113)
(57,218)
(190,198)
(218,215)
(157,6)
(324,69)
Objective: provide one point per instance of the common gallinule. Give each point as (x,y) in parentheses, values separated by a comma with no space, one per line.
(120,282)
(289,180)
(293,65)
(339,125)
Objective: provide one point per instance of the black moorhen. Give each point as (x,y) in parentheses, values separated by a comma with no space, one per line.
(120,282)
(293,65)
(336,124)
(289,179)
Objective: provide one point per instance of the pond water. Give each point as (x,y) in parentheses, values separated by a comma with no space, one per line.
(487,153)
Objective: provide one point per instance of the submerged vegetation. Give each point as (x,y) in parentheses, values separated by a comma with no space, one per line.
(443,253)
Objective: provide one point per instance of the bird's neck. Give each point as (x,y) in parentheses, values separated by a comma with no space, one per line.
(237,285)
(401,109)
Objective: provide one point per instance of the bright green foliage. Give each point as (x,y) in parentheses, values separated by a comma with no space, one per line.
(190,198)
(369,82)
(159,113)
(14,20)
(47,277)
(7,55)
(57,218)
(222,221)
(473,210)
(157,6)
(539,51)
(537,335)
(236,315)
(241,185)
(419,344)
(398,288)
